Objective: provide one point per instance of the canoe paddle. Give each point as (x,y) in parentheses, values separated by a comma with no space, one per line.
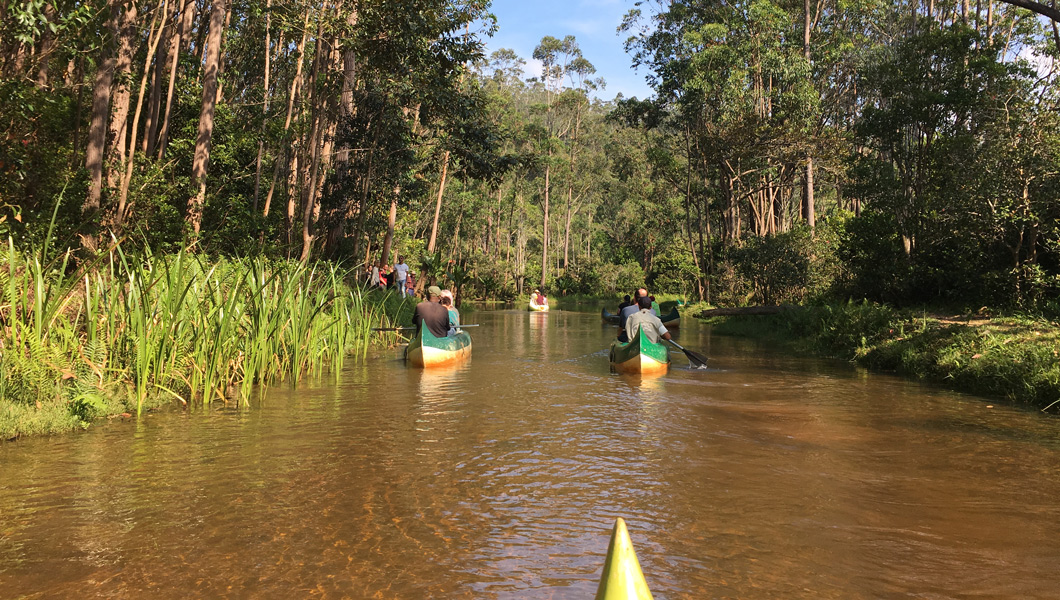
(410,328)
(696,359)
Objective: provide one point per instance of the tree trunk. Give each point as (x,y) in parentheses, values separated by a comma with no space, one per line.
(154,102)
(47,46)
(808,198)
(808,201)
(688,212)
(75,127)
(295,86)
(265,108)
(119,115)
(362,209)
(153,41)
(221,60)
(589,239)
(349,80)
(544,228)
(182,33)
(391,222)
(438,203)
(570,190)
(97,129)
(200,163)
(309,204)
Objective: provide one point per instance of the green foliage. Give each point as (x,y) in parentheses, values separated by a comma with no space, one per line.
(131,333)
(674,272)
(620,278)
(789,268)
(964,236)
(874,265)
(1010,358)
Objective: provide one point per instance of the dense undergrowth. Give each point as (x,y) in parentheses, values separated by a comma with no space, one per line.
(124,334)
(1011,357)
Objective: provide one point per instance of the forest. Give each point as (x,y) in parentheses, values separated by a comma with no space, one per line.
(160,156)
(899,152)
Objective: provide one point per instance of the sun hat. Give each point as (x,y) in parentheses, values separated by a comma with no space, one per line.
(434,290)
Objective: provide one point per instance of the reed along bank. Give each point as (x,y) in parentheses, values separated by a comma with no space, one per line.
(124,334)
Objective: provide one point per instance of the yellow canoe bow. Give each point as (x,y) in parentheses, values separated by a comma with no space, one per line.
(622,578)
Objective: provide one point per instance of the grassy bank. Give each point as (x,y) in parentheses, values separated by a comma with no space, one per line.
(124,334)
(1013,358)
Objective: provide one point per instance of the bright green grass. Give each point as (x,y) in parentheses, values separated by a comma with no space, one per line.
(130,333)
(1009,357)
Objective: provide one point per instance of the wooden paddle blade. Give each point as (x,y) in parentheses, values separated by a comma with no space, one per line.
(697,359)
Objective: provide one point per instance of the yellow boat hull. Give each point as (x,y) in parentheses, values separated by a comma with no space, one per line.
(639,356)
(622,578)
(641,364)
(425,350)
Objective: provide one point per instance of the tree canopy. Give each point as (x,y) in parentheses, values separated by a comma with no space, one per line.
(906,153)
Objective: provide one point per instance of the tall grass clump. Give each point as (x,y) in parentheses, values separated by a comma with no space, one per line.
(127,333)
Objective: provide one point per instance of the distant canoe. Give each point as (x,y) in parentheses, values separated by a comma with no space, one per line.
(622,578)
(671,320)
(537,307)
(426,350)
(639,356)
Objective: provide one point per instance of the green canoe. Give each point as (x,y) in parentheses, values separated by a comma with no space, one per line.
(622,578)
(426,350)
(640,355)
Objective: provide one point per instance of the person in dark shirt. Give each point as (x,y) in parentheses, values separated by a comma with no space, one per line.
(625,302)
(432,314)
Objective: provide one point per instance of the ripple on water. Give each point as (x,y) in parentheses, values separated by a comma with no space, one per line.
(765,476)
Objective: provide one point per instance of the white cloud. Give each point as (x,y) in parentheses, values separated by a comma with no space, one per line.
(534,67)
(1041,63)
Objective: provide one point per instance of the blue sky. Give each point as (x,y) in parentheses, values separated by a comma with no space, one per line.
(522,23)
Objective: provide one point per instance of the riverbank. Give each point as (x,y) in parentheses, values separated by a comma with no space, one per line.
(123,335)
(1007,357)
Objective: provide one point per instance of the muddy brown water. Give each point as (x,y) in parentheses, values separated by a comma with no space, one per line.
(766,476)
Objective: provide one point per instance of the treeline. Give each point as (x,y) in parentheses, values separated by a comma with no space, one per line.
(239,126)
(900,152)
(924,133)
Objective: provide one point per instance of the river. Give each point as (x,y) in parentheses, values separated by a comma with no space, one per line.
(767,475)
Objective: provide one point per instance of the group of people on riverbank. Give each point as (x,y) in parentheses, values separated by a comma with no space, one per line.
(640,312)
(399,277)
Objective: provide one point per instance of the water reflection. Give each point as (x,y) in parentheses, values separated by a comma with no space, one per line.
(438,385)
(766,476)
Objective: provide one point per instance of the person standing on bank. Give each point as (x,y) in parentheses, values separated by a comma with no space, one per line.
(650,326)
(401,273)
(375,276)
